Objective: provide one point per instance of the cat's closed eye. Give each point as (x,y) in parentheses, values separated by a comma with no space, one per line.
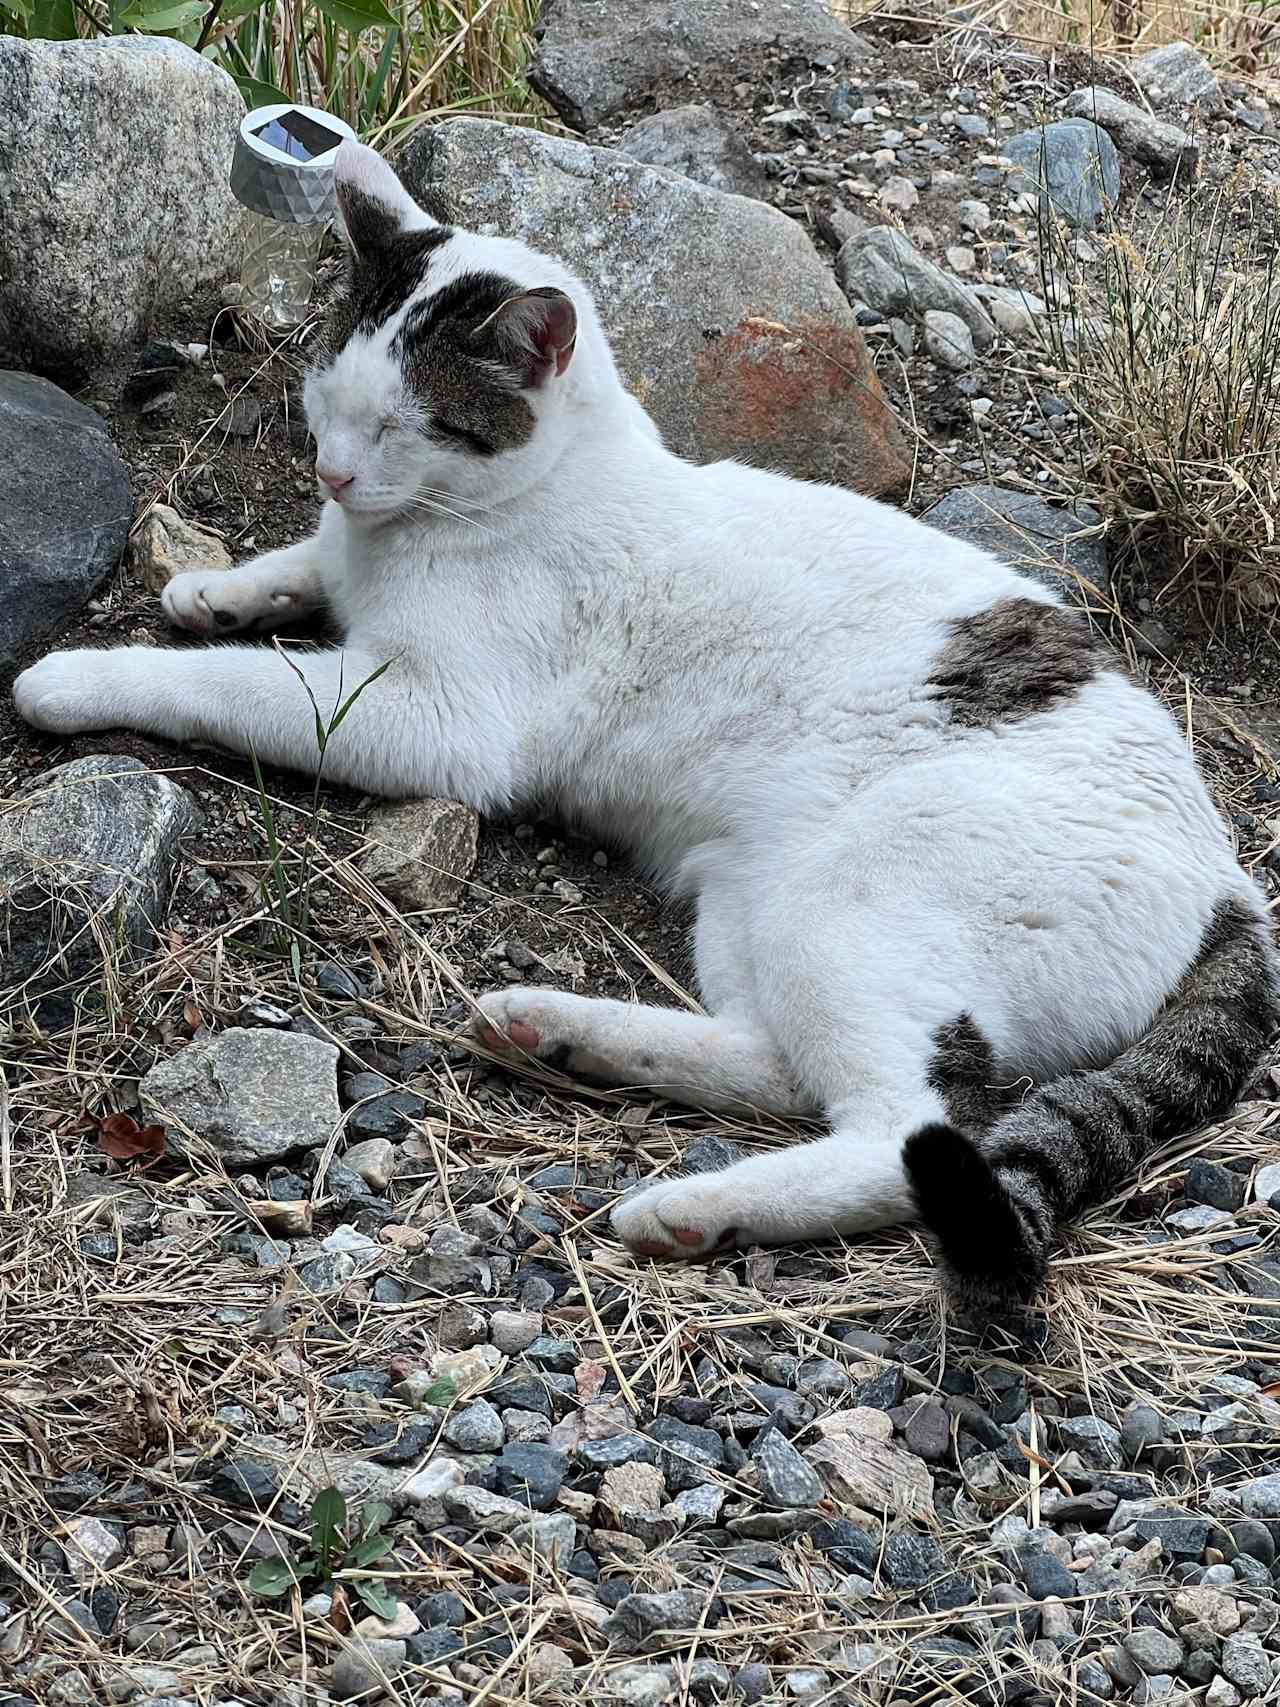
(462,435)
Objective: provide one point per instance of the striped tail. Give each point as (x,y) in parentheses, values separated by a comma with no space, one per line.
(994,1203)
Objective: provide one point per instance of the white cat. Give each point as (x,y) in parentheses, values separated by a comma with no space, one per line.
(959,886)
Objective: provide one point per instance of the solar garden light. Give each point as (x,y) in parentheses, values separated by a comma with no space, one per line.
(282,173)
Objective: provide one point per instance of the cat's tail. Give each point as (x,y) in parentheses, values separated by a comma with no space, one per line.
(993,1203)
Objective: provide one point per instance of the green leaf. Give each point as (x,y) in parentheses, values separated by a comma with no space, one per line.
(374,1516)
(19,9)
(377,1598)
(440,1392)
(354,695)
(54,20)
(257,93)
(368,1552)
(271,1578)
(328,1514)
(164,18)
(356,16)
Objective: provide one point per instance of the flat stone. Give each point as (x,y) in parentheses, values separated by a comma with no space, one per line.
(1199,1218)
(68,506)
(699,143)
(1164,149)
(421,852)
(725,322)
(167,544)
(1096,1441)
(251,1095)
(92,840)
(596,58)
(372,1159)
(91,1548)
(1176,74)
(1245,1663)
(784,1477)
(1153,1652)
(639,1617)
(948,341)
(1074,164)
(883,269)
(1037,539)
(142,126)
(928,1433)
(1207,1606)
(366,1667)
(879,1476)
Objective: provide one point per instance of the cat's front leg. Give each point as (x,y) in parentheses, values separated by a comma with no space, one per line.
(247,698)
(269,590)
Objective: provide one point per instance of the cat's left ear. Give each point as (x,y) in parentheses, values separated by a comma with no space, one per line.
(373,204)
(534,334)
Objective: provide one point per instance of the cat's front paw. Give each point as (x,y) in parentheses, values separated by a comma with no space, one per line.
(550,1025)
(224,601)
(685,1219)
(68,692)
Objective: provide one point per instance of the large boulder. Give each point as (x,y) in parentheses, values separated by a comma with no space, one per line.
(1164,149)
(726,324)
(596,58)
(66,511)
(882,269)
(114,195)
(87,858)
(1176,75)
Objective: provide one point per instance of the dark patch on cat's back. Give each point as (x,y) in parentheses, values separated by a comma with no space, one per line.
(1014,659)
(962,1069)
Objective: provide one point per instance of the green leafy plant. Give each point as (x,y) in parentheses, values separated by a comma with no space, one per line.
(382,65)
(338,1553)
(288,904)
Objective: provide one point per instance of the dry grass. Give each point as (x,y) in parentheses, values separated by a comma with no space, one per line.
(125,1363)
(1170,353)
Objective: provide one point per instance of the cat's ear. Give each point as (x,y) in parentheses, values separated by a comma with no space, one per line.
(533,334)
(373,205)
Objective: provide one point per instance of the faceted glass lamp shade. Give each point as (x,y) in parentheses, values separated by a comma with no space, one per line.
(283,163)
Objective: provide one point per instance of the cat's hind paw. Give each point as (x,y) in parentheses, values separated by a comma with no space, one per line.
(681,1219)
(68,692)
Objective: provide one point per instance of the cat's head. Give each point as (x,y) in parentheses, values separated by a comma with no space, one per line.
(451,362)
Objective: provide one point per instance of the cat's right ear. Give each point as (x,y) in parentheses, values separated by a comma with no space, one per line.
(373,205)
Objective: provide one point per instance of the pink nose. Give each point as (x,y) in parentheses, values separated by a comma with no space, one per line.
(337,483)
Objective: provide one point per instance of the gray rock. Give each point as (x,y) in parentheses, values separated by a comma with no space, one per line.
(1211,1183)
(1074,164)
(531,1472)
(1031,536)
(1153,1652)
(115,202)
(67,506)
(1176,74)
(928,1433)
(87,858)
(598,57)
(366,1667)
(725,322)
(948,340)
(1198,1218)
(699,143)
(1246,1664)
(639,1616)
(785,1478)
(912,1561)
(1091,1676)
(476,1427)
(1164,149)
(709,1153)
(1097,1442)
(883,269)
(1266,1183)
(251,1095)
(1043,1575)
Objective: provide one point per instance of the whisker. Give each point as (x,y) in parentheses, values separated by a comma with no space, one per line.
(435,508)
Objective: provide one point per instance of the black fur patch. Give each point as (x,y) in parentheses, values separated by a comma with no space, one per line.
(455,371)
(1012,660)
(1072,1142)
(380,281)
(963,1072)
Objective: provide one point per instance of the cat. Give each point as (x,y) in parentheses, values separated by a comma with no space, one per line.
(959,887)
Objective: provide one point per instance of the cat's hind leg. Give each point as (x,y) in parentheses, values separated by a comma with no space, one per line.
(724,1063)
(849,1183)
